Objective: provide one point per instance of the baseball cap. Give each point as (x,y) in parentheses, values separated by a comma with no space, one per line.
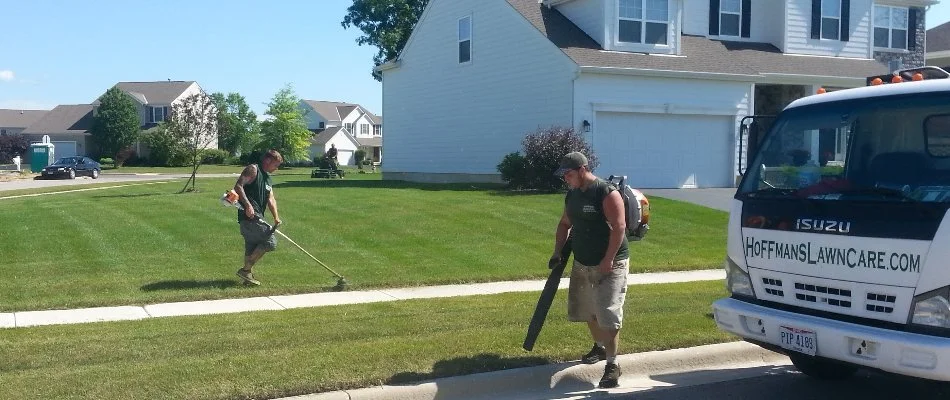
(572,160)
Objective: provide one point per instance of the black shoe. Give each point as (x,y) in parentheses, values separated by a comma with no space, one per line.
(597,353)
(611,375)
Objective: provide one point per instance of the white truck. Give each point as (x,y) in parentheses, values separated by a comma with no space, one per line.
(838,250)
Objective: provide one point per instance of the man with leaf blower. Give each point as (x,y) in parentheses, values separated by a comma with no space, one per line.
(595,218)
(254,192)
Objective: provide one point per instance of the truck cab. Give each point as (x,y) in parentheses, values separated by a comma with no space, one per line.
(838,250)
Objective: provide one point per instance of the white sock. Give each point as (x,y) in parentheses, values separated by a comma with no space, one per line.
(611,359)
(599,344)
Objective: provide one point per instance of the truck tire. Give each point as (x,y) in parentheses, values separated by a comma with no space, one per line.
(820,368)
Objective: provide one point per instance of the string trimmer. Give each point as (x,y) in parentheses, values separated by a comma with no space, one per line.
(230,199)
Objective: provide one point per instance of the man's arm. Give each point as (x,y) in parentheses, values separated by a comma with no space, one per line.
(248,175)
(613,211)
(272,205)
(560,235)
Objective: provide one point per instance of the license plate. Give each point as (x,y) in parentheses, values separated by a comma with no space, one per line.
(800,340)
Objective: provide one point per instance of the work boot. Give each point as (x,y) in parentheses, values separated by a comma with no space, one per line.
(247,277)
(597,353)
(611,376)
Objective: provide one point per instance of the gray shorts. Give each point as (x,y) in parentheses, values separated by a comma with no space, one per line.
(256,235)
(595,295)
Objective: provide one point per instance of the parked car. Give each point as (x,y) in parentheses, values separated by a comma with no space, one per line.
(71,167)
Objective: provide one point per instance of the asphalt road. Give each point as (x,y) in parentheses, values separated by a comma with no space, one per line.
(17,184)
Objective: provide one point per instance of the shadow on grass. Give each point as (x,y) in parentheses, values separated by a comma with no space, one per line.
(179,285)
(465,366)
(495,189)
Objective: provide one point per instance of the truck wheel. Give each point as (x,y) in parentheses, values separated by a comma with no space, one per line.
(820,368)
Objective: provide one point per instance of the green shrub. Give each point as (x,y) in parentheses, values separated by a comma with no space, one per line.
(105,161)
(214,156)
(12,146)
(543,150)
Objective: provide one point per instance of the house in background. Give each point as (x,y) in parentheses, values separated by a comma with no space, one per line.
(657,87)
(154,100)
(68,128)
(938,46)
(12,122)
(348,126)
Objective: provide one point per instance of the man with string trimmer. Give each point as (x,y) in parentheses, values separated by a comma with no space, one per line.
(254,192)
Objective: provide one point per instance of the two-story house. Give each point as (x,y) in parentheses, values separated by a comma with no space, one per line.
(658,87)
(345,125)
(68,126)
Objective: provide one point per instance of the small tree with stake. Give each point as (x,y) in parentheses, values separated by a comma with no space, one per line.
(193,122)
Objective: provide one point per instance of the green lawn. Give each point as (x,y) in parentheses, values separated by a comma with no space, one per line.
(285,353)
(147,244)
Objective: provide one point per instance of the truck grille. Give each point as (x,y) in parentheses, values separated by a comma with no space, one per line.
(825,294)
(881,303)
(771,285)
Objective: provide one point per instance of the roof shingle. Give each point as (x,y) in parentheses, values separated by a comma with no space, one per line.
(73,118)
(20,118)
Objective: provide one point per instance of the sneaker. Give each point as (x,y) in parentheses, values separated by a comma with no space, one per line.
(597,353)
(247,277)
(611,376)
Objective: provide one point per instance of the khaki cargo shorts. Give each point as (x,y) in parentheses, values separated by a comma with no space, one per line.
(256,234)
(595,295)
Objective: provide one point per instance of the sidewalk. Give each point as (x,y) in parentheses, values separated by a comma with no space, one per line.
(125,313)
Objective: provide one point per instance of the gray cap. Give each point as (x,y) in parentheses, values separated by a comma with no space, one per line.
(572,160)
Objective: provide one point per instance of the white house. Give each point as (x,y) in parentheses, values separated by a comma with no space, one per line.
(346,125)
(658,87)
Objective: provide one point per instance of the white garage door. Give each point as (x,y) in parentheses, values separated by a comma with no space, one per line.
(345,157)
(64,149)
(665,151)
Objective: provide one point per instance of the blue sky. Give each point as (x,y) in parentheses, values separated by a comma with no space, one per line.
(70,52)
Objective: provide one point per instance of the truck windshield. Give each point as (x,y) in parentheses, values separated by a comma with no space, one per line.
(889,149)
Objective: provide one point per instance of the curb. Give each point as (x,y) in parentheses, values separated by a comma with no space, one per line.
(553,380)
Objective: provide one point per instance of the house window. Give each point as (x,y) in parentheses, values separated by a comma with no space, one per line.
(159,114)
(377,131)
(890,27)
(349,127)
(364,129)
(730,16)
(643,21)
(831,19)
(465,40)
(3,132)
(323,125)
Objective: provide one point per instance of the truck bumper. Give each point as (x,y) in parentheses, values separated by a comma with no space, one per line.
(904,353)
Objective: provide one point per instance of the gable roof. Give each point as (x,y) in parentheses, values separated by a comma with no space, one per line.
(699,54)
(371,142)
(20,118)
(73,118)
(159,92)
(938,38)
(335,111)
(324,137)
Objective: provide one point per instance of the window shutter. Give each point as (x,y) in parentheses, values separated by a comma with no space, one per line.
(714,17)
(845,19)
(746,18)
(816,19)
(911,29)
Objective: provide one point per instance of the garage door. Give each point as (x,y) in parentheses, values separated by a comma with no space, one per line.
(665,151)
(64,149)
(345,157)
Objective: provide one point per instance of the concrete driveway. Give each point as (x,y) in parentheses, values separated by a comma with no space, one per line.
(718,198)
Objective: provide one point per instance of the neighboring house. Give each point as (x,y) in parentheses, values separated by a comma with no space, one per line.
(154,100)
(658,87)
(68,129)
(13,122)
(346,145)
(938,46)
(362,126)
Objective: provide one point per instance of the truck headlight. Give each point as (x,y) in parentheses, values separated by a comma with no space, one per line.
(737,280)
(932,309)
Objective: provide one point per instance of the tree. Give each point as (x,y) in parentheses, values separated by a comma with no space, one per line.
(238,128)
(116,124)
(12,146)
(193,123)
(286,131)
(543,150)
(386,24)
